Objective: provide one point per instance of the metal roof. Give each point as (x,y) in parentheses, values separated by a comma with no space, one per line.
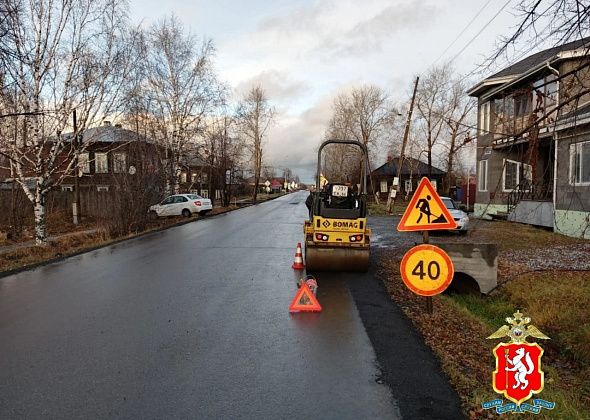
(410,166)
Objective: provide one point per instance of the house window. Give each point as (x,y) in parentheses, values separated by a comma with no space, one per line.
(101,163)
(408,185)
(546,94)
(580,163)
(383,186)
(83,164)
(482,176)
(67,187)
(183,177)
(516,174)
(102,188)
(484,118)
(119,163)
(433,182)
(194,178)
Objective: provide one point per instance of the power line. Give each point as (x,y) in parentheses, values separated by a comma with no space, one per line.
(481,30)
(462,32)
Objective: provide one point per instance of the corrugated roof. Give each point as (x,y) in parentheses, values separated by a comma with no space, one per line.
(410,165)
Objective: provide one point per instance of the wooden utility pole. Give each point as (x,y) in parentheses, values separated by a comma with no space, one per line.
(400,161)
(76,204)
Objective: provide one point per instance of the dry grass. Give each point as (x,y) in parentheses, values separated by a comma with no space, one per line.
(381,208)
(31,255)
(78,242)
(515,236)
(557,301)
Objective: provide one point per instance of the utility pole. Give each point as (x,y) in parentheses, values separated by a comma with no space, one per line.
(400,162)
(76,204)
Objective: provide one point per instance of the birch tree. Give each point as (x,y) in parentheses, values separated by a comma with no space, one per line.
(182,88)
(254,116)
(64,55)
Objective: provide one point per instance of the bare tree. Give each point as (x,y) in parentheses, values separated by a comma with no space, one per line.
(432,101)
(181,88)
(459,113)
(223,151)
(254,116)
(364,114)
(63,56)
(559,21)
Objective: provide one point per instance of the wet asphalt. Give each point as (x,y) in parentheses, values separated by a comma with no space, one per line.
(193,322)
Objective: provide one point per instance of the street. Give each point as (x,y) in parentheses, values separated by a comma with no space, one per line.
(193,322)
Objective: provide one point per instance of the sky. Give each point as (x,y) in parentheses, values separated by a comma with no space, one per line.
(305,52)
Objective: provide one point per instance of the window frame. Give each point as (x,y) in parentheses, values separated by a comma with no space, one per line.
(83,163)
(106,163)
(576,148)
(408,182)
(119,165)
(484,118)
(520,172)
(479,175)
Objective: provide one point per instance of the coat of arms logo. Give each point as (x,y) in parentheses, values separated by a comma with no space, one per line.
(518,373)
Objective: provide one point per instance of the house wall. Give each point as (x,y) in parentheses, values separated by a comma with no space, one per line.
(495,157)
(572,202)
(573,84)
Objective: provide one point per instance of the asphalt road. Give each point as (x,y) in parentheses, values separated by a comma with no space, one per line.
(193,322)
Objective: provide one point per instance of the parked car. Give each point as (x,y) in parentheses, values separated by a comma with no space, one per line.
(182,205)
(460,217)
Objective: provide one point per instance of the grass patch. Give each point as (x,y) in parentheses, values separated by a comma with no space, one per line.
(513,236)
(557,301)
(380,209)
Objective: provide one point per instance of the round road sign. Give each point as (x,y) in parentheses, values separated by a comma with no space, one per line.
(427,270)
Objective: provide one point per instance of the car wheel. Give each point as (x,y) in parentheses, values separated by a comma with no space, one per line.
(186,213)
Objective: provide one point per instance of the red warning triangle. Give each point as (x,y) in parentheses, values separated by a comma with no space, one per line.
(426,211)
(305,301)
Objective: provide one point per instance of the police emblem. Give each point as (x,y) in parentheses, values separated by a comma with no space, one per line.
(518,373)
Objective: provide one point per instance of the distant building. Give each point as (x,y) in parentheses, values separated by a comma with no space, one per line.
(533,159)
(412,171)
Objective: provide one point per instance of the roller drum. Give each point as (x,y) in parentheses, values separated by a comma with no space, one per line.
(322,258)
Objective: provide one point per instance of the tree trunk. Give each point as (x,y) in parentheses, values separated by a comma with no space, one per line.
(176,174)
(40,218)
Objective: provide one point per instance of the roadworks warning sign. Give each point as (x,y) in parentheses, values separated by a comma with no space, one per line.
(426,211)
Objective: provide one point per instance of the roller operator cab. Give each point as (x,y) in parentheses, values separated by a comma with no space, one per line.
(337,237)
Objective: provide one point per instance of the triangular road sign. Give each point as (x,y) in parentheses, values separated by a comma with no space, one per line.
(305,301)
(426,211)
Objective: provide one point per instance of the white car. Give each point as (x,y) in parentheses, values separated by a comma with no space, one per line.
(182,205)
(460,217)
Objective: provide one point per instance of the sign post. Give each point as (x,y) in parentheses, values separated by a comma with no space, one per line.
(426,269)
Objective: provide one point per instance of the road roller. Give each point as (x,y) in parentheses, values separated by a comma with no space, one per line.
(337,237)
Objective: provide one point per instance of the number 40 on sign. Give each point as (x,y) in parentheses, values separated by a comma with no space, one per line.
(427,270)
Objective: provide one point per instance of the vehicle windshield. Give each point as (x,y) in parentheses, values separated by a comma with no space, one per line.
(450,204)
(194,196)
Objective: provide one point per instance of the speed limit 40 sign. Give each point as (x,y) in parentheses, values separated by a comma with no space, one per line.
(427,270)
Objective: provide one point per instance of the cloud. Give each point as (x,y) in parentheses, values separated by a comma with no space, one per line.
(293,142)
(277,85)
(368,35)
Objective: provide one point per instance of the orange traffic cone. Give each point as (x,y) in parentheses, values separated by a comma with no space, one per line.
(298,264)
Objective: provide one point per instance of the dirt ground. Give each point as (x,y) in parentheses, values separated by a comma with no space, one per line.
(543,274)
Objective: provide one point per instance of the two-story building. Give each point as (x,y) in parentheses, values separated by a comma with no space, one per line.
(533,143)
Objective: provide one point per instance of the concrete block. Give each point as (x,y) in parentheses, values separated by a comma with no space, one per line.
(477,261)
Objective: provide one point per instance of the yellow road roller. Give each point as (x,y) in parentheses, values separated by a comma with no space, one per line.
(337,237)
